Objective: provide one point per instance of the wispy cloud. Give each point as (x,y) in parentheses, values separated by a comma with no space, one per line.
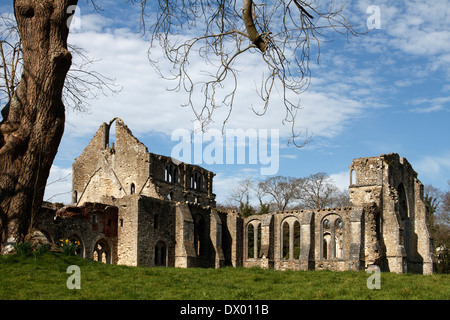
(289,156)
(427,110)
(434,165)
(431,105)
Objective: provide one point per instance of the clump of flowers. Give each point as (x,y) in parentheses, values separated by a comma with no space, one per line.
(68,247)
(25,249)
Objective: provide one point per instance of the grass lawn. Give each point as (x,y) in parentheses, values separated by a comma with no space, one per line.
(46,277)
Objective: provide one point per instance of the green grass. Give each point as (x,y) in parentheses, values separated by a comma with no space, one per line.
(45,278)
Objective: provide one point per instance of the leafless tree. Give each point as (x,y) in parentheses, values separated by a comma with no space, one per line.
(281,35)
(241,193)
(283,191)
(319,191)
(82,84)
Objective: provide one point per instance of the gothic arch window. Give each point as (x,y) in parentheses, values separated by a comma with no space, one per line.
(102,251)
(75,197)
(285,240)
(339,238)
(132,189)
(253,239)
(326,243)
(332,237)
(403,212)
(296,240)
(200,236)
(352,177)
(160,254)
(290,239)
(171,173)
(196,180)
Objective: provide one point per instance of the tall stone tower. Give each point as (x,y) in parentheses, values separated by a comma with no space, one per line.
(397,233)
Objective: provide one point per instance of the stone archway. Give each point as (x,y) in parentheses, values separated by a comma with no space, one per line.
(102,252)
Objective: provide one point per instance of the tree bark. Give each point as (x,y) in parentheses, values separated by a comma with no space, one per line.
(33,120)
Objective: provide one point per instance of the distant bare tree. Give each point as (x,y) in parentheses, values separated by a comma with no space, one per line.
(283,191)
(319,191)
(241,193)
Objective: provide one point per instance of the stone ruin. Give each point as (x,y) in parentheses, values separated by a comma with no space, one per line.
(136,208)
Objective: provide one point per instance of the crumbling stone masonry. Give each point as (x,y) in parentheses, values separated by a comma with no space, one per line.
(135,208)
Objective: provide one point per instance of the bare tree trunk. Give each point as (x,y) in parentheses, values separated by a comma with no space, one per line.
(33,120)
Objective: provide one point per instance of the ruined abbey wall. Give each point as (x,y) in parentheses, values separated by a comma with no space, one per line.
(136,208)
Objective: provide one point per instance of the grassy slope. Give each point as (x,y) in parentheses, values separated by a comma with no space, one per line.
(26,278)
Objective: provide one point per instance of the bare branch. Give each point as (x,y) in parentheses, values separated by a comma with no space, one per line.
(279,35)
(82,83)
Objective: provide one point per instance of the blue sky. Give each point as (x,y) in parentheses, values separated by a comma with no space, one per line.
(386,91)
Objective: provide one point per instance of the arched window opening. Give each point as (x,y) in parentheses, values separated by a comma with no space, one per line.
(339,238)
(80,246)
(132,189)
(75,197)
(160,254)
(110,134)
(200,236)
(296,240)
(290,239)
(285,242)
(171,173)
(404,217)
(196,181)
(326,245)
(102,252)
(250,241)
(254,240)
(332,240)
(352,177)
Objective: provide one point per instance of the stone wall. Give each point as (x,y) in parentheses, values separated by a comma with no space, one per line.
(389,183)
(126,167)
(305,240)
(137,208)
(94,225)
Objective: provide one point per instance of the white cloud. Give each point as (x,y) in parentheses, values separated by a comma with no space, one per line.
(427,110)
(341,179)
(434,166)
(431,105)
